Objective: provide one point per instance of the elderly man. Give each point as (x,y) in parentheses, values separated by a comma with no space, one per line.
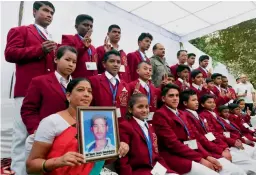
(159,64)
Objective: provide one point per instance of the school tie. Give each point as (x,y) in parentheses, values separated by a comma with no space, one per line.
(221,123)
(149,142)
(63,83)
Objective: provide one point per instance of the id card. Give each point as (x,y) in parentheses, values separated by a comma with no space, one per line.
(246,125)
(122,68)
(158,169)
(226,134)
(118,112)
(150,116)
(192,144)
(91,65)
(210,136)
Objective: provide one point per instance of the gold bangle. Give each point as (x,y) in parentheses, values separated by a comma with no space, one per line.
(43,167)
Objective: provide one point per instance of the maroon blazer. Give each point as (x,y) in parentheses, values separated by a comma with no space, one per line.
(201,92)
(123,75)
(182,88)
(24,48)
(205,75)
(197,127)
(134,58)
(102,95)
(219,100)
(137,161)
(83,56)
(171,134)
(45,96)
(173,71)
(154,94)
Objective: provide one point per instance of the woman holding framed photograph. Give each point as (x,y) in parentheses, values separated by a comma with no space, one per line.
(55,150)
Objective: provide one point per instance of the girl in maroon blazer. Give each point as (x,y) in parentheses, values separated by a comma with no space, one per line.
(141,138)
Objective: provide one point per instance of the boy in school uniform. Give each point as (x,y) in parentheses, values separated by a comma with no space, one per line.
(198,84)
(32,50)
(182,57)
(87,56)
(108,88)
(111,42)
(134,58)
(172,130)
(183,73)
(203,63)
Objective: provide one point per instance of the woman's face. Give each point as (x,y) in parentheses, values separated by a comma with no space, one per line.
(81,95)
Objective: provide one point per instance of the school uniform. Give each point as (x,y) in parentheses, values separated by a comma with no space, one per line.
(203,71)
(87,58)
(174,71)
(46,95)
(219,99)
(24,48)
(110,91)
(124,72)
(134,58)
(143,153)
(172,132)
(179,82)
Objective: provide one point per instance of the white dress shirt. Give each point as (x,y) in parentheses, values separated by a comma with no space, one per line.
(144,85)
(196,86)
(143,55)
(111,78)
(143,125)
(194,113)
(62,80)
(44,31)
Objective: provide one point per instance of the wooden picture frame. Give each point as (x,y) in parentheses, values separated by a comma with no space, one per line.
(95,124)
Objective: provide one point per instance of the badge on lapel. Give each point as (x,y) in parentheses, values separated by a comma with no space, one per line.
(123,97)
(155,142)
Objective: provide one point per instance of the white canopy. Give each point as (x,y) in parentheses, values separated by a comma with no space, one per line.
(191,19)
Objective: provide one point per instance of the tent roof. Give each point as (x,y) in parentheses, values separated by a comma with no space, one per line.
(190,19)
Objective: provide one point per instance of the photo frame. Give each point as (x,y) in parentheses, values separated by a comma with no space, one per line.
(98,125)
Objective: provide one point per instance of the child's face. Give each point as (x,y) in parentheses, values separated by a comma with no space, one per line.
(210,85)
(198,80)
(145,71)
(225,113)
(236,111)
(209,104)
(184,74)
(218,80)
(192,103)
(140,109)
(170,80)
(242,105)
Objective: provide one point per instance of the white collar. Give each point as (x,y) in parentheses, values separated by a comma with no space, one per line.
(143,55)
(218,87)
(174,111)
(213,113)
(44,31)
(109,76)
(204,69)
(140,122)
(143,83)
(196,86)
(193,112)
(62,79)
(227,121)
(118,47)
(180,80)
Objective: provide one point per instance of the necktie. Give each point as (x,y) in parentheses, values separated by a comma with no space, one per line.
(63,83)
(185,126)
(149,143)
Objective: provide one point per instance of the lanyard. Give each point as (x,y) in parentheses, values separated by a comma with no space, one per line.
(40,33)
(113,91)
(63,88)
(235,128)
(185,126)
(221,123)
(142,58)
(149,143)
(148,94)
(89,50)
(200,121)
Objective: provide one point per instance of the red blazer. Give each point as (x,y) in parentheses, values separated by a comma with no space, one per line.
(182,88)
(24,48)
(134,59)
(173,71)
(102,95)
(137,161)
(123,75)
(45,96)
(211,146)
(83,56)
(219,100)
(171,134)
(205,75)
(154,94)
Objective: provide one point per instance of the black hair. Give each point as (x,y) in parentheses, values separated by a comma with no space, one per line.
(191,54)
(215,75)
(208,80)
(38,4)
(155,46)
(194,73)
(223,76)
(167,87)
(203,57)
(145,35)
(205,97)
(179,52)
(233,106)
(222,107)
(132,101)
(82,17)
(113,26)
(146,62)
(97,116)
(184,95)
(237,101)
(62,49)
(182,67)
(170,75)
(237,78)
(111,52)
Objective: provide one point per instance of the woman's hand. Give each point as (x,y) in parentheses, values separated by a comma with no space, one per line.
(123,149)
(70,159)
(6,170)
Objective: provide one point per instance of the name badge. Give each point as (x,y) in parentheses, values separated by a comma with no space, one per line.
(210,136)
(192,144)
(91,65)
(226,134)
(246,125)
(150,116)
(118,112)
(158,169)
(122,68)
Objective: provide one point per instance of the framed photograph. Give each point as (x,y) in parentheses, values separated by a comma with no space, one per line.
(98,134)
